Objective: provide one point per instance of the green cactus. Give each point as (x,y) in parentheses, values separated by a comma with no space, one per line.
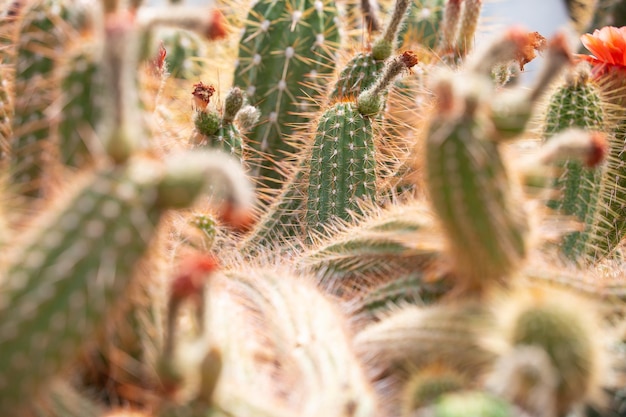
(343,161)
(485,227)
(423,24)
(343,166)
(61,286)
(45,28)
(416,288)
(214,129)
(425,386)
(560,326)
(362,71)
(287,47)
(393,242)
(474,403)
(282,223)
(82,86)
(63,400)
(186,52)
(577,103)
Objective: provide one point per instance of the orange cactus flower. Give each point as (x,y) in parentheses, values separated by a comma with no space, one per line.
(608,46)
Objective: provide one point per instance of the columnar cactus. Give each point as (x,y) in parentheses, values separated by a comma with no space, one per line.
(343,162)
(82,86)
(365,67)
(61,285)
(286,47)
(45,28)
(577,103)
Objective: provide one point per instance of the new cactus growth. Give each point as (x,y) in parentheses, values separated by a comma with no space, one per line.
(215,130)
(365,67)
(286,47)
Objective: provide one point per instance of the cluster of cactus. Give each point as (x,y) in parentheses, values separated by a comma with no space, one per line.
(299,247)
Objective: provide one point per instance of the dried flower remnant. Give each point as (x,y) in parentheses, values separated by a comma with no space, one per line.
(529,47)
(192,275)
(202,95)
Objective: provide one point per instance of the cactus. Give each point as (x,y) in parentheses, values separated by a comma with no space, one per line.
(362,71)
(83,86)
(215,129)
(552,323)
(525,377)
(485,228)
(393,242)
(427,385)
(423,24)
(185,52)
(286,46)
(343,162)
(577,103)
(471,403)
(45,28)
(412,337)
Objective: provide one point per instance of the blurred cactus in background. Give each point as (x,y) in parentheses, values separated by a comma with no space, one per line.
(308,208)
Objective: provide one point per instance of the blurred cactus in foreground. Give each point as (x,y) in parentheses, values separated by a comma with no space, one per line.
(243,211)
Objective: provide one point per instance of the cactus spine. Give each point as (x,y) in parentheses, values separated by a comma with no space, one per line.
(285,43)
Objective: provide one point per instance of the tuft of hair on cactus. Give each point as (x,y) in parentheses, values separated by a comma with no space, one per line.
(248,117)
(525,377)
